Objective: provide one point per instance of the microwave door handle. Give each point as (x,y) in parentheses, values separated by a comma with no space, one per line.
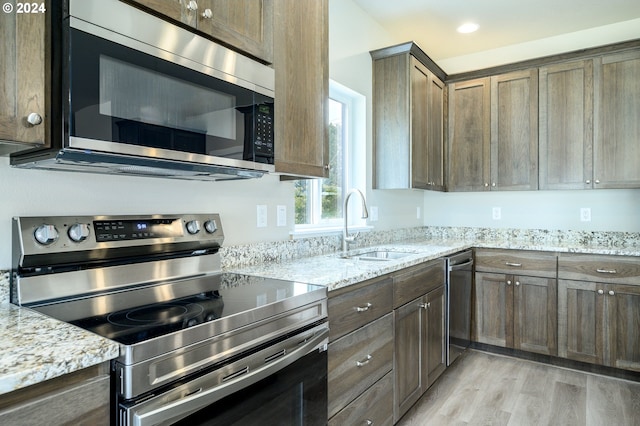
(156,412)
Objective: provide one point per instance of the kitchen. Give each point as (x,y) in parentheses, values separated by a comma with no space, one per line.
(33,192)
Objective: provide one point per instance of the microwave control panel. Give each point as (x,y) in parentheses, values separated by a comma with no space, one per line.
(263,140)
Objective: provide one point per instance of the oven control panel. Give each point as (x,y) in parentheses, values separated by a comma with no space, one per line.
(35,235)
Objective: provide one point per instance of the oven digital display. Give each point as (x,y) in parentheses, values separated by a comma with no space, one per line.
(122,230)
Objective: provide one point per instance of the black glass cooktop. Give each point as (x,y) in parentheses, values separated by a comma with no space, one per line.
(135,315)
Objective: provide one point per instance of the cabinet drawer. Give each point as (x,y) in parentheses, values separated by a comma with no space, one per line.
(352,308)
(418,280)
(358,360)
(599,268)
(374,406)
(520,262)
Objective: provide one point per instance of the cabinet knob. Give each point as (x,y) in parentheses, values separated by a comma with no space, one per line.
(612,293)
(327,167)
(486,184)
(588,181)
(493,184)
(34,119)
(368,422)
(425,305)
(192,5)
(508,282)
(600,291)
(597,181)
(207,14)
(517,283)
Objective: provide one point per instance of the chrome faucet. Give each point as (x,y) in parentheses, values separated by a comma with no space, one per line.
(346,239)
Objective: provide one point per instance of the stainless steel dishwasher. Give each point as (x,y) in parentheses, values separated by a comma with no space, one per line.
(459,282)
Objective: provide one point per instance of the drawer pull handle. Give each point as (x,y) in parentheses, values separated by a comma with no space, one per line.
(364,362)
(364,308)
(425,305)
(516,265)
(606,271)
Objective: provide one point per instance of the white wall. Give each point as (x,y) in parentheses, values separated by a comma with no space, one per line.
(35,192)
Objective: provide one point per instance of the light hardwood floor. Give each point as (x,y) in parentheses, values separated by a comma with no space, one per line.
(487,389)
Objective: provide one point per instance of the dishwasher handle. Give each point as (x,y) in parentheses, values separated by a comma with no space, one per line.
(462,265)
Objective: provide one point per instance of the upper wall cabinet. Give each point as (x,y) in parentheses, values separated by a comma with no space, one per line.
(566,125)
(246,25)
(469,143)
(514,130)
(408,99)
(301,63)
(616,154)
(24,80)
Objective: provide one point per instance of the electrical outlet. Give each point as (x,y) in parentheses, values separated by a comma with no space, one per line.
(585,214)
(418,212)
(373,216)
(281,216)
(497,213)
(261,213)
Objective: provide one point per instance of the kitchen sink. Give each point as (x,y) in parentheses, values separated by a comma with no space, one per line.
(378,255)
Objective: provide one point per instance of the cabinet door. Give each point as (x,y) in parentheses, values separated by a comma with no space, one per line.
(177,10)
(244,24)
(409,326)
(616,149)
(302,86)
(434,347)
(24,79)
(420,124)
(580,321)
(435,140)
(494,309)
(623,319)
(535,315)
(566,125)
(514,131)
(468,155)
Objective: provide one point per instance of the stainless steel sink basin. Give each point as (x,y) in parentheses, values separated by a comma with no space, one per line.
(378,255)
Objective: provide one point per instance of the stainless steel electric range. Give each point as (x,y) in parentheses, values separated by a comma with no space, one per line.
(197,346)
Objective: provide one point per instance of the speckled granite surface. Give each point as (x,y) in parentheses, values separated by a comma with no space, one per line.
(35,348)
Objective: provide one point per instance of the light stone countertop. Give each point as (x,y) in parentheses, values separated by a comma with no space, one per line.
(335,272)
(36,348)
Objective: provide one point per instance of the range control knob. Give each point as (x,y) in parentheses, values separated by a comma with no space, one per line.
(78,232)
(193,227)
(46,234)
(211,226)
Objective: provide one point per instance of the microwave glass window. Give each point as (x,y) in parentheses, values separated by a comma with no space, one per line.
(128,97)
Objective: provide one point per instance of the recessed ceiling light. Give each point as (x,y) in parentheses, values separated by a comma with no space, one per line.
(469,27)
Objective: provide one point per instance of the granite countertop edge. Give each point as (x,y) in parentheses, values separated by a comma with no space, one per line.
(38,348)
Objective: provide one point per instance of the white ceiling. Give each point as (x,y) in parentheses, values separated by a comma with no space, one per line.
(432,23)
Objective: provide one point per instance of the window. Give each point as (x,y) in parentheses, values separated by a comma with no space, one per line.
(318,202)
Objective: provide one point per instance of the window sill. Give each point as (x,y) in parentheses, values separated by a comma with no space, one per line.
(326,230)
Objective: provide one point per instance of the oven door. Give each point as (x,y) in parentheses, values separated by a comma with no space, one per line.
(283,384)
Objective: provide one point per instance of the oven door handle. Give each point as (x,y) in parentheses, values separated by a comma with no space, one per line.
(157,410)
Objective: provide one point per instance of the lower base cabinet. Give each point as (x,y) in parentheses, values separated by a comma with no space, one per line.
(419,348)
(80,398)
(373,407)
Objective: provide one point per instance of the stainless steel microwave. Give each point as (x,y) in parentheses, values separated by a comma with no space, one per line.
(135,94)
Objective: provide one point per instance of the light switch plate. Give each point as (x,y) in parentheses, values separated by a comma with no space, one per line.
(373,214)
(281,215)
(497,213)
(261,211)
(585,214)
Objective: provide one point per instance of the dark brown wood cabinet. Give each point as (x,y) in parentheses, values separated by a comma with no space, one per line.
(408,100)
(599,310)
(301,63)
(420,351)
(360,351)
(616,151)
(514,131)
(469,142)
(512,309)
(246,25)
(79,398)
(24,80)
(566,125)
